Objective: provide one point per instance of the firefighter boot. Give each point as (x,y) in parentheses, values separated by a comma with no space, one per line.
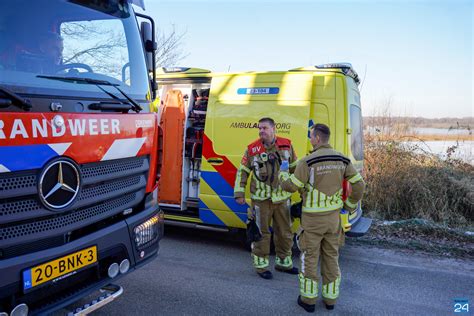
(329,307)
(267,275)
(307,307)
(293,270)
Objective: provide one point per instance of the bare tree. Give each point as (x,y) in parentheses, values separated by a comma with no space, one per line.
(102,46)
(170,52)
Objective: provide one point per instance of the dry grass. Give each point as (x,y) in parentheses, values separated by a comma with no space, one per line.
(432,137)
(404,182)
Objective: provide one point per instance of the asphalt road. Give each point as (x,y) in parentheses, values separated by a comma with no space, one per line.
(207,273)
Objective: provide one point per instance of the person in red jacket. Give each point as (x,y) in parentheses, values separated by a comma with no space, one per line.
(271,204)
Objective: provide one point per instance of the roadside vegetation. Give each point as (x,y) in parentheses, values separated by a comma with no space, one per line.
(417,200)
(406,182)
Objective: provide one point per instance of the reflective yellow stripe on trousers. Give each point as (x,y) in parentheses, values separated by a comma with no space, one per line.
(308,287)
(331,290)
(259,262)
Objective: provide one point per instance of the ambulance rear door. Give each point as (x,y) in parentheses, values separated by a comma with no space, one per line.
(236,103)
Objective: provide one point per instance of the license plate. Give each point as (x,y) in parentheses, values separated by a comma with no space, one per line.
(59,268)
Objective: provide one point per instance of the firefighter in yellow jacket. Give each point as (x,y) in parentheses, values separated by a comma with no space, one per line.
(319,177)
(271,204)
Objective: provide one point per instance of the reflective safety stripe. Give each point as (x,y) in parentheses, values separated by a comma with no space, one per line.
(264,191)
(280,195)
(323,209)
(277,192)
(302,255)
(331,290)
(293,164)
(296,182)
(257,193)
(285,263)
(238,179)
(258,198)
(308,199)
(261,192)
(317,201)
(259,262)
(245,169)
(355,178)
(284,175)
(350,204)
(308,287)
(311,176)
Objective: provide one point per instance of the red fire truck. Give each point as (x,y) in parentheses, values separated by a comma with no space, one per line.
(78,152)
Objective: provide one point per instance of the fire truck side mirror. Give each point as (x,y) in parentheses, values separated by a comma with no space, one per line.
(149,44)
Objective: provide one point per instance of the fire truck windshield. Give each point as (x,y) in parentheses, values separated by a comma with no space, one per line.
(76,38)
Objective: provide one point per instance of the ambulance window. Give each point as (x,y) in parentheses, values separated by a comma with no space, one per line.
(357,146)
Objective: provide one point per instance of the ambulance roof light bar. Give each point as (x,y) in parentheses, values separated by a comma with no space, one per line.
(346,69)
(187,70)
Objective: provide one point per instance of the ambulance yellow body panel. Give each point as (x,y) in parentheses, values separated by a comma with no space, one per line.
(222,113)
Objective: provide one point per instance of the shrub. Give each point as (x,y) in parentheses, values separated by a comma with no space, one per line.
(405,182)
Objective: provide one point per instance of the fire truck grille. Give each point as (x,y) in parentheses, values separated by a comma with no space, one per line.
(107,189)
(17,183)
(73,218)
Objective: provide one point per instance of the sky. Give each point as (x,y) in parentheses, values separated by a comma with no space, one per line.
(414,57)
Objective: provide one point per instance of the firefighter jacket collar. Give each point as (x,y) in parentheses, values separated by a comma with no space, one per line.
(257,146)
(271,144)
(320,146)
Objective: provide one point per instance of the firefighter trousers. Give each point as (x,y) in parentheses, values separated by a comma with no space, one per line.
(276,215)
(320,240)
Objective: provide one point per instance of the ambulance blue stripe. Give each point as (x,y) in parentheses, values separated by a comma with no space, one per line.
(16,158)
(242,216)
(202,205)
(217,183)
(230,202)
(208,217)
(224,190)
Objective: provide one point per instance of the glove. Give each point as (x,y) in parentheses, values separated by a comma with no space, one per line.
(285,166)
(253,232)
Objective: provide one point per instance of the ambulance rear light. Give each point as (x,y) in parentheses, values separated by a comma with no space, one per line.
(346,69)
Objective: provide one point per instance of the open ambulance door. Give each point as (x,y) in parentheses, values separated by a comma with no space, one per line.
(183,126)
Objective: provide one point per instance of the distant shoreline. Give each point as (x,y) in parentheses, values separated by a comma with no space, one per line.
(425,137)
(465,123)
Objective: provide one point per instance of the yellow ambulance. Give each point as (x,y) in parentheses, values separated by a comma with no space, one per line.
(208,119)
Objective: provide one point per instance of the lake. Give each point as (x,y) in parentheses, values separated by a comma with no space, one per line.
(464,150)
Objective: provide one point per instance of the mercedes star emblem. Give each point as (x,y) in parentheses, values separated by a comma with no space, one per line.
(59,184)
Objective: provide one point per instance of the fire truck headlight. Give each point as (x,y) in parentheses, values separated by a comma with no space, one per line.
(147,232)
